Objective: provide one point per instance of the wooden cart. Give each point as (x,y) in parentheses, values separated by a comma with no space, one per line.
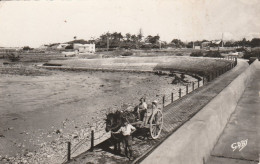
(154,122)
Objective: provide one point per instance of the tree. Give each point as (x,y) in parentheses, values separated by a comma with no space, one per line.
(26,48)
(228,44)
(116,36)
(140,35)
(134,38)
(152,39)
(128,36)
(189,45)
(255,42)
(178,43)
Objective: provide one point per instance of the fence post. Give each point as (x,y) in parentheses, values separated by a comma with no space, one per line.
(187,89)
(180,93)
(69,147)
(172,96)
(192,86)
(163,99)
(92,140)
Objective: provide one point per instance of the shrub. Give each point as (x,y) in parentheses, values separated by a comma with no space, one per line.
(26,48)
(196,54)
(252,59)
(241,50)
(254,53)
(127,53)
(69,47)
(213,54)
(13,57)
(155,46)
(179,54)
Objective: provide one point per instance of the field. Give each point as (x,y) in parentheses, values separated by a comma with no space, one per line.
(42,109)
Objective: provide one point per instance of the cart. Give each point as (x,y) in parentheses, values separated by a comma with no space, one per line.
(153,121)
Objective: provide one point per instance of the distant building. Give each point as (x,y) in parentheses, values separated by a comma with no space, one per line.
(205,45)
(82,48)
(211,44)
(197,47)
(216,42)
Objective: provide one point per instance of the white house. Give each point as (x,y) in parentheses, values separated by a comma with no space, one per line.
(197,47)
(84,48)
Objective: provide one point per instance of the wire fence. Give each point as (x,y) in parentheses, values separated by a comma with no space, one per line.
(96,137)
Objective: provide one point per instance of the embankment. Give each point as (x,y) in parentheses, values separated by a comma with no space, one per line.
(192,143)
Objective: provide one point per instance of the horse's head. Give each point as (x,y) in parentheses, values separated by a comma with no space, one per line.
(113,121)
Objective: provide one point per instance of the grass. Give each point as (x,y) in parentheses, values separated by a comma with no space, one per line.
(201,66)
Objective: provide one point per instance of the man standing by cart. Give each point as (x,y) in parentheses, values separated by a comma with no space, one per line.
(127,129)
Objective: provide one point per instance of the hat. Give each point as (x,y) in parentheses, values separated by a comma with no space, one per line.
(142,98)
(155,101)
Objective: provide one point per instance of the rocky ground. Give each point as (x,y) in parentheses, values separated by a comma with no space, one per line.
(41,110)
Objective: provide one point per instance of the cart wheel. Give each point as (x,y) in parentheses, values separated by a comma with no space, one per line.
(156,124)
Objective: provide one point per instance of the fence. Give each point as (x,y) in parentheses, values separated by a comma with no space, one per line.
(165,100)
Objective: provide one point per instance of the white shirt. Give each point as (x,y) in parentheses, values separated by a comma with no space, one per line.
(126,130)
(142,106)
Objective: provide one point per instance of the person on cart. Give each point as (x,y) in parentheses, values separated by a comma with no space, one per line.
(141,109)
(127,130)
(150,111)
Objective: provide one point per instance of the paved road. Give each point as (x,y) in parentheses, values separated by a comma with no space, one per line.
(242,131)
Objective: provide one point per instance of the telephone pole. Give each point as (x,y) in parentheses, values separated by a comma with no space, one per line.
(107,41)
(222,40)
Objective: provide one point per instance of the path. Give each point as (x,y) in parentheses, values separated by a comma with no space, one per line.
(244,125)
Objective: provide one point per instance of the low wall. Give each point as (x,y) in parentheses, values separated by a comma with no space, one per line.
(193,142)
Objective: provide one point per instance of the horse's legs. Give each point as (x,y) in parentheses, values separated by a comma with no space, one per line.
(119,147)
(115,147)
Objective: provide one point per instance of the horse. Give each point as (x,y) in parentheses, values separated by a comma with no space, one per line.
(114,121)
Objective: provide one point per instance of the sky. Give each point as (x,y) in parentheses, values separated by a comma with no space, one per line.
(34,23)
